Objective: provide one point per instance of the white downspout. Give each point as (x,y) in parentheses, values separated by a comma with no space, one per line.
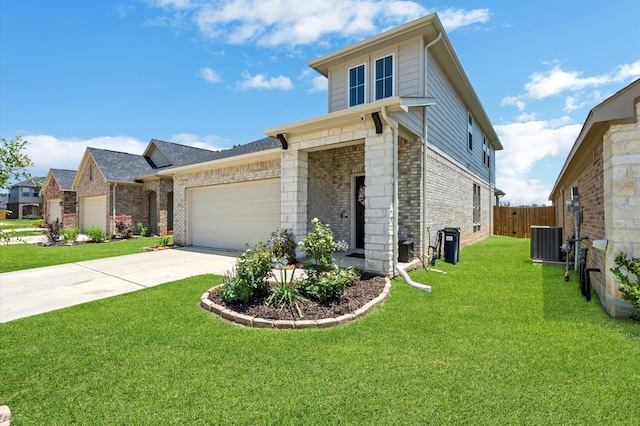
(113,216)
(425,243)
(394,127)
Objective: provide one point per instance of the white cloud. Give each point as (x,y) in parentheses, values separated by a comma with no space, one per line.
(209,75)
(48,152)
(557,80)
(513,100)
(294,22)
(525,144)
(571,104)
(210,142)
(319,84)
(457,18)
(259,81)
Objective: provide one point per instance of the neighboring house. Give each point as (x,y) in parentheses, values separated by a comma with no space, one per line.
(25,199)
(111,184)
(59,199)
(604,168)
(403,122)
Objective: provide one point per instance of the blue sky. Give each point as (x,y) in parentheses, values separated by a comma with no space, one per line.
(214,74)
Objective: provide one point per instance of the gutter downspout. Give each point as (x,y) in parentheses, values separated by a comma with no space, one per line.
(113,217)
(394,127)
(425,243)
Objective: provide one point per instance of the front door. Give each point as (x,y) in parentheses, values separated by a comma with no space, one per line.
(359,211)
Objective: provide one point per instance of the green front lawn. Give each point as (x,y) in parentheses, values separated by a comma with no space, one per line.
(16,257)
(498,341)
(18,223)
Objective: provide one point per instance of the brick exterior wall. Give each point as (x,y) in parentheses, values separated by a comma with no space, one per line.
(330,188)
(160,188)
(52,191)
(254,171)
(450,199)
(606,172)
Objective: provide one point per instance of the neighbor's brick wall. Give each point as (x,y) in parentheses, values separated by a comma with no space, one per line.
(449,195)
(622,205)
(259,170)
(330,189)
(129,202)
(587,176)
(161,187)
(69,206)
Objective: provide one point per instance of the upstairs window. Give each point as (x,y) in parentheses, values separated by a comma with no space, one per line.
(356,86)
(36,192)
(25,192)
(384,78)
(470,128)
(486,153)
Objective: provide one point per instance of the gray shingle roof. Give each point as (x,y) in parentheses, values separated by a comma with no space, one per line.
(251,147)
(183,155)
(64,178)
(120,166)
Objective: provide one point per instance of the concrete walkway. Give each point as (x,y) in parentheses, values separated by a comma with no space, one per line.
(39,290)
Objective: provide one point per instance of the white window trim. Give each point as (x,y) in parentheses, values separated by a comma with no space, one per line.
(366,82)
(394,73)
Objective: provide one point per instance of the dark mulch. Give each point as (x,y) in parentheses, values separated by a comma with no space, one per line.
(352,298)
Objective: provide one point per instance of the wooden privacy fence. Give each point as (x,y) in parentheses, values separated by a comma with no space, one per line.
(516,221)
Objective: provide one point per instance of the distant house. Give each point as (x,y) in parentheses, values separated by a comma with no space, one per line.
(405,149)
(602,174)
(112,184)
(25,199)
(59,199)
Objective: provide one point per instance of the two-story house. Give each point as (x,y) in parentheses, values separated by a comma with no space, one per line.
(405,149)
(25,199)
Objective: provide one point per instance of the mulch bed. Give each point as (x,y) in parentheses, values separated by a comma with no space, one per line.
(352,298)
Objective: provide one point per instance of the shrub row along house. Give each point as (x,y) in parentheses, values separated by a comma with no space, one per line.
(601,177)
(405,149)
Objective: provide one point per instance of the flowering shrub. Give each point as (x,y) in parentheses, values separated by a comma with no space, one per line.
(319,245)
(329,284)
(123,229)
(282,245)
(629,288)
(249,278)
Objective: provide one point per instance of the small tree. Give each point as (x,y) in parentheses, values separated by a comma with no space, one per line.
(13,161)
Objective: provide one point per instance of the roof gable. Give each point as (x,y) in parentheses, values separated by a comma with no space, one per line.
(120,166)
(64,178)
(168,154)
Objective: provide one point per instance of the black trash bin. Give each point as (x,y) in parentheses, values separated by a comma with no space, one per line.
(405,248)
(452,245)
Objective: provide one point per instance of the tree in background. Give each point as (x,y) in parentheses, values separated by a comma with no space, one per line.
(13,162)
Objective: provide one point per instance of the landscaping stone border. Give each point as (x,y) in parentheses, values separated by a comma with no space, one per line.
(249,321)
(5,416)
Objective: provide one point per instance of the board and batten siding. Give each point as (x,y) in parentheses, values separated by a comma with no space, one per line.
(448,123)
(408,78)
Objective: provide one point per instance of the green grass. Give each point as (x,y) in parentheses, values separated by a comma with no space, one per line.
(498,341)
(17,223)
(26,256)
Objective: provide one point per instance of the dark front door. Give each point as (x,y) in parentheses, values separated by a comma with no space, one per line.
(360,197)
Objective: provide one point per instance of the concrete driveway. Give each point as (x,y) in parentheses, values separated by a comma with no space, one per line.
(34,291)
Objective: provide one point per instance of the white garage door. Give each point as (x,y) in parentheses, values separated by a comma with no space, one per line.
(93,212)
(54,211)
(227,216)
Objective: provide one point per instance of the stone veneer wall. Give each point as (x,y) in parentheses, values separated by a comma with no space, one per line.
(259,170)
(622,205)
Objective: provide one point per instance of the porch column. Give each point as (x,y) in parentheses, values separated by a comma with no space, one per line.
(378,229)
(294,175)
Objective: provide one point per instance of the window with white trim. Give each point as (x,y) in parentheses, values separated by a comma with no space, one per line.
(356,85)
(486,153)
(470,128)
(476,208)
(384,78)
